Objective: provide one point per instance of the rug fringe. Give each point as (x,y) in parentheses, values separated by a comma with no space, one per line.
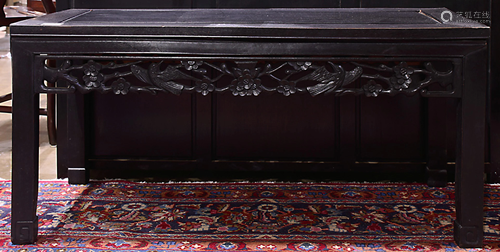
(255,182)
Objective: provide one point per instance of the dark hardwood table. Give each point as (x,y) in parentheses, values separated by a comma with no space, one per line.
(279,52)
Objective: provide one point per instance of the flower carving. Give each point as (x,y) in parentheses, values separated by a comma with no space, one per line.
(248,78)
(246,83)
(372,89)
(120,86)
(300,65)
(92,76)
(402,78)
(204,87)
(286,88)
(192,64)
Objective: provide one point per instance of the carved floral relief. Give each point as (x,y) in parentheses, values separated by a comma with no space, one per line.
(248,78)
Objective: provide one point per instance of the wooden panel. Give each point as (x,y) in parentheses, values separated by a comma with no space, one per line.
(276,127)
(158,126)
(278,4)
(130,4)
(152,4)
(324,19)
(450,4)
(391,129)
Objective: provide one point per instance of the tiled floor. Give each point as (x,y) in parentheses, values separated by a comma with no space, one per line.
(47,152)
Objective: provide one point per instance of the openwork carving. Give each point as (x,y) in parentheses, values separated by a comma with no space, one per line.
(247,78)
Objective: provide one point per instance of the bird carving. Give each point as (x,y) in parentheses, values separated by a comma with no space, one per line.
(331,81)
(162,79)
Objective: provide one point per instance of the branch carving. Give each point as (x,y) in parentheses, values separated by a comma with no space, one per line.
(247,78)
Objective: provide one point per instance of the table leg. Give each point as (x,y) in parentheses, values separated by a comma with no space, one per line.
(437,174)
(25,123)
(494,170)
(470,152)
(78,173)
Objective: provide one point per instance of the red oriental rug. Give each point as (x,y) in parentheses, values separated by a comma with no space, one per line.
(126,216)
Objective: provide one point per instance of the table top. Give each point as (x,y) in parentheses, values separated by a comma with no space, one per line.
(341,23)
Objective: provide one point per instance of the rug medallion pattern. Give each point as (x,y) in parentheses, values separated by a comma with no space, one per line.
(126,216)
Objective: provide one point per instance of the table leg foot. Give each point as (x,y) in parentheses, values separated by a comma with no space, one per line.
(468,236)
(78,176)
(494,174)
(24,232)
(437,177)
